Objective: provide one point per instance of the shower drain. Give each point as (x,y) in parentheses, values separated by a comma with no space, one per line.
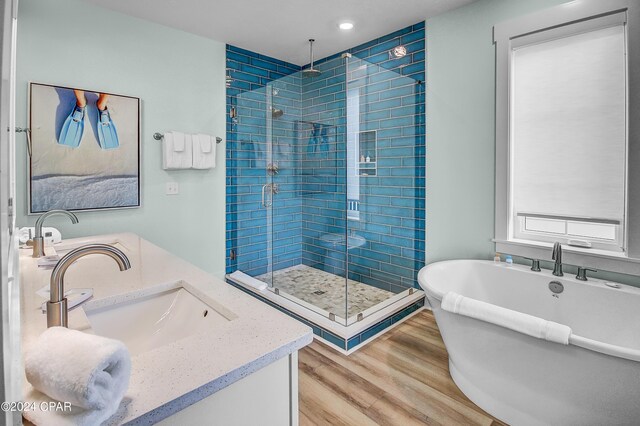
(319,292)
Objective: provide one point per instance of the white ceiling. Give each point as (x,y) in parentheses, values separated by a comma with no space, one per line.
(280,28)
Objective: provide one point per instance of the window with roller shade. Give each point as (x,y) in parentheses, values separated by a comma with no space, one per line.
(568,135)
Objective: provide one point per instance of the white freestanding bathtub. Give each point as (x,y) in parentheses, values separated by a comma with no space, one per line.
(523,380)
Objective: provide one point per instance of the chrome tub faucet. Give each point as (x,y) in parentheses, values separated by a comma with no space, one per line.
(38,240)
(57,312)
(556,255)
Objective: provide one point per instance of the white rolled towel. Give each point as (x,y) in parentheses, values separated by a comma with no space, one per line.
(508,318)
(90,372)
(245,279)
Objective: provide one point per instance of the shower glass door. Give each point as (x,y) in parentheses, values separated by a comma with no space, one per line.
(385,183)
(306,167)
(332,211)
(250,250)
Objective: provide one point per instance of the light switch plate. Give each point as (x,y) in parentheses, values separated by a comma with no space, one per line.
(172,188)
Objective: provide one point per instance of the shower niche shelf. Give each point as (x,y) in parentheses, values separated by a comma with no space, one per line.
(368,150)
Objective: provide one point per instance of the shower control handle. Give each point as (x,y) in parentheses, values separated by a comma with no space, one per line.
(272,169)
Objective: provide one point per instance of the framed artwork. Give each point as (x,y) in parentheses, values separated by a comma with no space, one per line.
(85,149)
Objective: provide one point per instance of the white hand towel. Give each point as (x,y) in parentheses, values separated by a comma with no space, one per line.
(90,372)
(514,320)
(178,141)
(176,155)
(188,141)
(245,279)
(204,152)
(167,151)
(205,143)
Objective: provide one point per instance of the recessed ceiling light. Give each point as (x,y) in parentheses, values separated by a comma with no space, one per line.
(346,25)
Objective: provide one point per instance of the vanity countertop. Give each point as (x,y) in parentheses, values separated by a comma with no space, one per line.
(169,378)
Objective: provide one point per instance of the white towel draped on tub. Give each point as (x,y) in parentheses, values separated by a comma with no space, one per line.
(176,151)
(514,320)
(90,372)
(204,152)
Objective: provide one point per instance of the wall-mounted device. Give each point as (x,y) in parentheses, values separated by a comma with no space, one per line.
(51,235)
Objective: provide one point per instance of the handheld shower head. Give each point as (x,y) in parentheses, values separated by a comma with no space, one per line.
(276,112)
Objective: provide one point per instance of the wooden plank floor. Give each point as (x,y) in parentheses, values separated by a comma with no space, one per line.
(401,378)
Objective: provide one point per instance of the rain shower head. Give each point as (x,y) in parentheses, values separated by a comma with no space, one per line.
(311,72)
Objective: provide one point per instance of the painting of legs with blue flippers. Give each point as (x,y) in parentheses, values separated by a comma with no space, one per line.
(80,160)
(73,126)
(107,134)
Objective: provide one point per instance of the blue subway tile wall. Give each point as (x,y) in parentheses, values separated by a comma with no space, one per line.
(388,101)
(383,325)
(317,145)
(323,168)
(255,240)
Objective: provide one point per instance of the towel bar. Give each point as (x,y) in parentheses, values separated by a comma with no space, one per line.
(158,136)
(27,132)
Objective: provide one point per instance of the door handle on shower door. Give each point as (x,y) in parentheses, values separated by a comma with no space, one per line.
(264,187)
(266,203)
(273,189)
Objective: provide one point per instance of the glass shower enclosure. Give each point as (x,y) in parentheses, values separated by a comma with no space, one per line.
(335,169)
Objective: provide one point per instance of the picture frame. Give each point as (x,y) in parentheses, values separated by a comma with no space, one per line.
(84,150)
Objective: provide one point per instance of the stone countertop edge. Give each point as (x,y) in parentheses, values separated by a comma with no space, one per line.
(154,267)
(214,386)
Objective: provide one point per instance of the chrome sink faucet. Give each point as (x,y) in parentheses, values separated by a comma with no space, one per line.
(556,255)
(57,312)
(38,240)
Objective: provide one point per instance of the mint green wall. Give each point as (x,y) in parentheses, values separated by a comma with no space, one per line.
(180,79)
(461,127)
(461,131)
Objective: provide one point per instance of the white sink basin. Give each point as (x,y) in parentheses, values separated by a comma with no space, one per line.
(154,317)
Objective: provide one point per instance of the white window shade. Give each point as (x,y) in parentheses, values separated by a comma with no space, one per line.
(568,125)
